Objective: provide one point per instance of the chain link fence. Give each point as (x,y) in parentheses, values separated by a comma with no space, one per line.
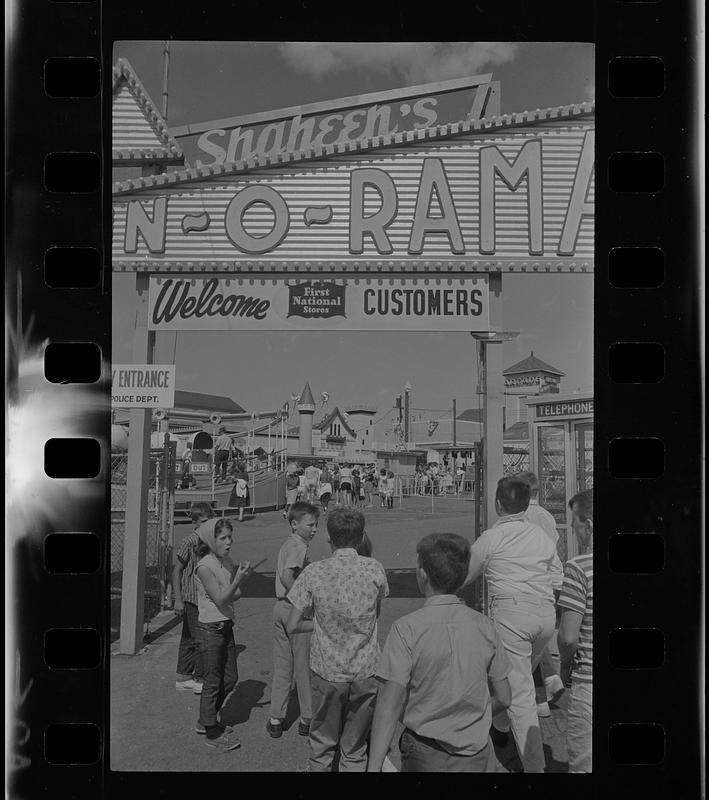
(158,544)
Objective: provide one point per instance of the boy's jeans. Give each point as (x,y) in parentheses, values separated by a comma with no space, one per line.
(189,655)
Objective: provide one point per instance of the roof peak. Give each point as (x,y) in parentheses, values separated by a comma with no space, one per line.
(165,149)
(532,364)
(306,396)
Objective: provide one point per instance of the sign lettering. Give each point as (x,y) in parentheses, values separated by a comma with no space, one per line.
(379,215)
(143,386)
(212,304)
(563,409)
(338,121)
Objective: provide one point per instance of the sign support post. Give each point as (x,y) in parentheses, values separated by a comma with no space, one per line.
(137,483)
(493,390)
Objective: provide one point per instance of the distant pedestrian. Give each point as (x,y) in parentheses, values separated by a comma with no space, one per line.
(356,488)
(187,480)
(324,495)
(445,667)
(302,486)
(239,497)
(291,652)
(336,484)
(312,476)
(190,669)
(346,485)
(344,592)
(223,448)
(382,488)
(369,488)
(576,635)
(390,489)
(218,588)
(292,483)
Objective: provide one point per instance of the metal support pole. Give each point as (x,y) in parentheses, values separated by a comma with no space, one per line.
(137,480)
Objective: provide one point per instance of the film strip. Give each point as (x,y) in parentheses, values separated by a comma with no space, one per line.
(648,644)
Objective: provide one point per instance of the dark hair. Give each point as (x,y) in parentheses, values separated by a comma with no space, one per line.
(445,557)
(202,548)
(301,509)
(365,546)
(513,495)
(531,479)
(199,509)
(584,504)
(345,527)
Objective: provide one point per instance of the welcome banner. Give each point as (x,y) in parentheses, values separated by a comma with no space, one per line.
(219,304)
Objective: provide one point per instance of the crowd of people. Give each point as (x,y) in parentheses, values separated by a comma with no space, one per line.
(458,680)
(435,479)
(345,485)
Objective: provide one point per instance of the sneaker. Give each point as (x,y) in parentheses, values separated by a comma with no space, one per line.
(275,731)
(200,730)
(304,728)
(554,688)
(223,743)
(543,709)
(197,687)
(187,686)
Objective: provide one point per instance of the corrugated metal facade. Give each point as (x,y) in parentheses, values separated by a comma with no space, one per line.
(327,182)
(130,127)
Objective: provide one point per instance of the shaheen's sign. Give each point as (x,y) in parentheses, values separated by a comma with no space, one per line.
(354,305)
(521,195)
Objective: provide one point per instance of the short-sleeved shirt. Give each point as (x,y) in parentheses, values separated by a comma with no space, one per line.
(312,474)
(292,555)
(343,591)
(577,595)
(292,480)
(519,558)
(224,442)
(444,654)
(540,516)
(187,557)
(208,610)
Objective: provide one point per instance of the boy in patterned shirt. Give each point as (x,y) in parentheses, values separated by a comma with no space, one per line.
(344,592)
(190,672)
(576,635)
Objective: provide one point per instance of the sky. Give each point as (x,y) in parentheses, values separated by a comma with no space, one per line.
(553,313)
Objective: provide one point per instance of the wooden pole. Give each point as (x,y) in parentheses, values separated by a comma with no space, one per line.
(137,480)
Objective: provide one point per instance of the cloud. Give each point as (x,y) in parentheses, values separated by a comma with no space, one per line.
(590,90)
(416,62)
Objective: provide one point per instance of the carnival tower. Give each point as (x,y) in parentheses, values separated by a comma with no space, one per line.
(306,410)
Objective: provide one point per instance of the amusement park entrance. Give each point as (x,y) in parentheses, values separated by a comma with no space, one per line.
(409,231)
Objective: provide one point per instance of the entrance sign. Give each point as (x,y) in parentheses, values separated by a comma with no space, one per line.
(520,197)
(302,128)
(428,304)
(143,386)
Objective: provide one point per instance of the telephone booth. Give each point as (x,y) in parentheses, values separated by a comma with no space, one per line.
(561,454)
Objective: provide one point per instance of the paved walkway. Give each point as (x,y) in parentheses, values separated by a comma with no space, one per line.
(152,725)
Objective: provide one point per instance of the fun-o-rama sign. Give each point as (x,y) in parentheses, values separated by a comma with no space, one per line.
(513,195)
